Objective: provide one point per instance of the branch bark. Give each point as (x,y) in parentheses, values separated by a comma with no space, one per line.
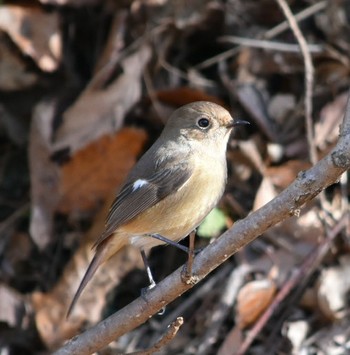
(306,186)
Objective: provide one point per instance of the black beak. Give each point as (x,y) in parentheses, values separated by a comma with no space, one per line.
(236,123)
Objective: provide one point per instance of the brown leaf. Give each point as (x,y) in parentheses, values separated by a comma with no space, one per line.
(185,95)
(252,301)
(101,110)
(95,171)
(89,177)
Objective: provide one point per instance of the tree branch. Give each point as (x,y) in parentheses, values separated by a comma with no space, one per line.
(307,185)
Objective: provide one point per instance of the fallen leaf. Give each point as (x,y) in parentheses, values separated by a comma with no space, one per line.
(95,171)
(14,72)
(265,193)
(24,25)
(100,110)
(252,300)
(11,304)
(296,331)
(185,95)
(87,179)
(327,128)
(51,308)
(333,290)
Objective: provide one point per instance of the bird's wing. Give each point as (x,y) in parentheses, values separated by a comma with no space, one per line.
(143,193)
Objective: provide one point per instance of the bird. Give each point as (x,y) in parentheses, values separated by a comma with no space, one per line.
(172,188)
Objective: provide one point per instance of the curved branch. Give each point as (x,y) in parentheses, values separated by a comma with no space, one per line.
(306,186)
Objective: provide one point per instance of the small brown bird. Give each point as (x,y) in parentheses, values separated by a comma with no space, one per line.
(172,188)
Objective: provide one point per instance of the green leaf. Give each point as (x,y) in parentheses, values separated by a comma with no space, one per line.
(213,224)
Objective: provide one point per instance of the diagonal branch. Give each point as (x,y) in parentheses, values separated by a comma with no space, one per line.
(307,185)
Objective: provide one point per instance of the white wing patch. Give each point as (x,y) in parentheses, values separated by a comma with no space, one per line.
(138,184)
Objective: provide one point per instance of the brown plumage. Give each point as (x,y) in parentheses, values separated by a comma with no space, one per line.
(173,186)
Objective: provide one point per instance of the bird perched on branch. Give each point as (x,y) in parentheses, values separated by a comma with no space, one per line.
(172,188)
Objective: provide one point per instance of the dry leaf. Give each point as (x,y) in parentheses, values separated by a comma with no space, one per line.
(185,95)
(327,128)
(251,98)
(14,73)
(101,110)
(51,308)
(11,304)
(252,301)
(96,171)
(91,175)
(281,106)
(265,193)
(24,25)
(333,290)
(296,332)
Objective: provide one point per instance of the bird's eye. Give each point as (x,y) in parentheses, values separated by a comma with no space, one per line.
(203,122)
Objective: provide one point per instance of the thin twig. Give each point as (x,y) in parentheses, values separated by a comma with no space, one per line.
(309,86)
(271,33)
(264,44)
(309,76)
(166,338)
(218,58)
(171,69)
(302,15)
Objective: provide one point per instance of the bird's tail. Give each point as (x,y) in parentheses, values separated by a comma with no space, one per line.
(102,254)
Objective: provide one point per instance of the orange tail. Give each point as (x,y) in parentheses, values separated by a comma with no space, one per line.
(103,252)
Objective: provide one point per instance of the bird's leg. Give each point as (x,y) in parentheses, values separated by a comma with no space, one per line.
(152,283)
(187,275)
(171,242)
(191,253)
(174,244)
